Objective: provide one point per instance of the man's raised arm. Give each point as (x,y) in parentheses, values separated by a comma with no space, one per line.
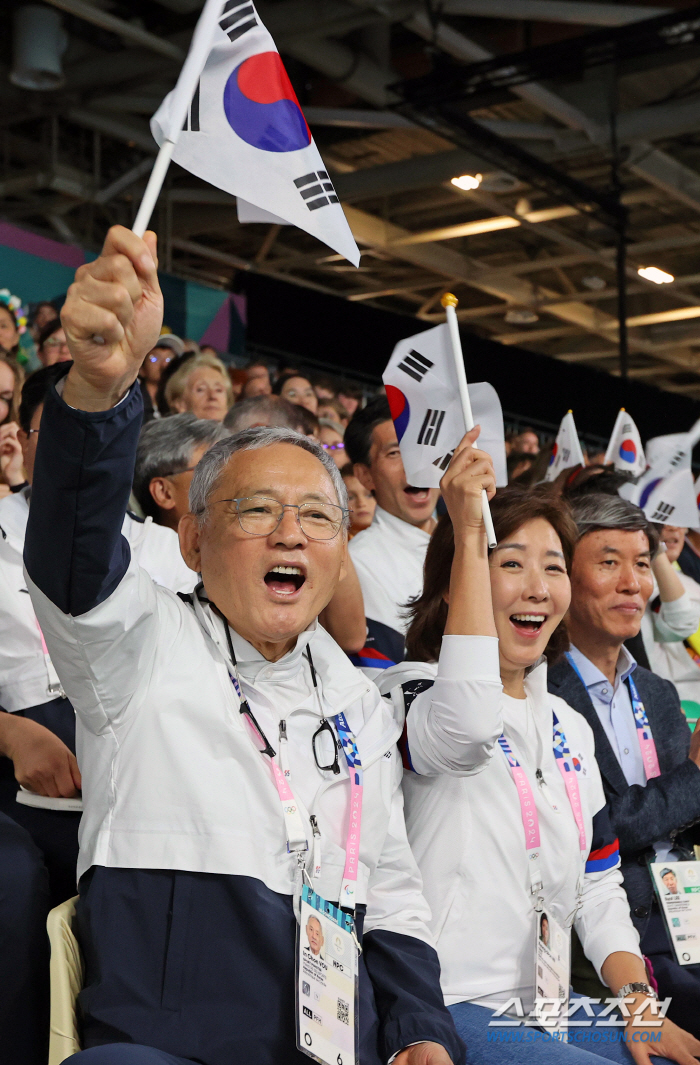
(74,551)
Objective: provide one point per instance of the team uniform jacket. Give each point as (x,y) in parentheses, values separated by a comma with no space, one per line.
(171,779)
(465,824)
(24,671)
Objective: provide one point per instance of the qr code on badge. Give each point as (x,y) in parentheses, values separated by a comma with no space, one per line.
(343,1011)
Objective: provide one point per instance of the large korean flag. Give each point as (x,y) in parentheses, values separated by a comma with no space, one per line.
(245,131)
(423,393)
(666,492)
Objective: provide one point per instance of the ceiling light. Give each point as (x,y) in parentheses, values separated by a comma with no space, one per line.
(467,181)
(594,283)
(652,273)
(520,316)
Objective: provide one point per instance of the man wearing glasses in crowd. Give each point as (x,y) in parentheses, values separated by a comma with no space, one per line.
(198,714)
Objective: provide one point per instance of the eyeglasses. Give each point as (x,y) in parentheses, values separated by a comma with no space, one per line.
(157,358)
(260,516)
(324,736)
(54,342)
(339,446)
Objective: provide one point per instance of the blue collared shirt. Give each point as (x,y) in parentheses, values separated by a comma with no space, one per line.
(613,705)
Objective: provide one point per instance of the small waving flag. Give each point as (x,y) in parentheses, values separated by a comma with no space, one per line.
(567,449)
(423,393)
(245,132)
(625,449)
(666,492)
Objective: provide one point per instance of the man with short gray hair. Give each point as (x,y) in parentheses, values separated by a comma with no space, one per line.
(649,763)
(236,767)
(167,453)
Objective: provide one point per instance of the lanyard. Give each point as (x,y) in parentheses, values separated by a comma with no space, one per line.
(645,739)
(54,687)
(528,808)
(294,826)
(644,736)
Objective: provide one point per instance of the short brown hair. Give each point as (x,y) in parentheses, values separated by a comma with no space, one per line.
(510,509)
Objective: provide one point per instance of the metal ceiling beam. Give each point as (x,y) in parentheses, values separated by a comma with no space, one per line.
(139,136)
(126,30)
(578,13)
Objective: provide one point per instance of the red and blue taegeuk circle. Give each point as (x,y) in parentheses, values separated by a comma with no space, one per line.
(400,410)
(628,451)
(554,454)
(261,105)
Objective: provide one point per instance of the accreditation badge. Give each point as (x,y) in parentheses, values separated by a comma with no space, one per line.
(677,885)
(552,972)
(327,982)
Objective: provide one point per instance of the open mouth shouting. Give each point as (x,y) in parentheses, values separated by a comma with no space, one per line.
(529,625)
(285,581)
(417,495)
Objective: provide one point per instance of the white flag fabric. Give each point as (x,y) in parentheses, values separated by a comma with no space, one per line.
(666,492)
(625,449)
(244,130)
(423,393)
(567,449)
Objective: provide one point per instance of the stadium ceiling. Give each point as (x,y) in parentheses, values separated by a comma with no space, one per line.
(402,97)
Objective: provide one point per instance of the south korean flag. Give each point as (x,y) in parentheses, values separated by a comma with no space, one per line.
(245,131)
(666,492)
(423,393)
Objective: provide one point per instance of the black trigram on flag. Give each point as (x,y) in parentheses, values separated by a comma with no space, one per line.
(415,365)
(192,119)
(662,513)
(238,19)
(444,461)
(430,429)
(316,189)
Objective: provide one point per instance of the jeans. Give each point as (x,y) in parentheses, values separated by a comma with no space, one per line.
(517,1046)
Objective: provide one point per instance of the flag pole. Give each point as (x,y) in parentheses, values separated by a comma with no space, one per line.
(449,302)
(155,184)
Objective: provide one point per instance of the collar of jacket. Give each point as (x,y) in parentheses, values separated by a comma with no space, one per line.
(340,683)
(565,682)
(405,672)
(408,535)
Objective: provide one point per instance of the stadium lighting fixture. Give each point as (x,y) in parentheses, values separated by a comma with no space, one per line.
(467,181)
(652,273)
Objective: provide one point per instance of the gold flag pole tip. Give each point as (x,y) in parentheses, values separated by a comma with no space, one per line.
(449,300)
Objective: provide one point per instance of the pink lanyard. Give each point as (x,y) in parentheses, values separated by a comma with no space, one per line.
(296,833)
(528,808)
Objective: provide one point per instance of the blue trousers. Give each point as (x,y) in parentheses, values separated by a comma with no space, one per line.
(514,1046)
(24,949)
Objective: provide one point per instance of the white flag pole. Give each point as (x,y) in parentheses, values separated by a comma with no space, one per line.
(202,41)
(449,302)
(610,453)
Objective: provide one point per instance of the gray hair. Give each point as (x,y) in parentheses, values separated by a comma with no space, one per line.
(211,466)
(599,510)
(262,410)
(165,447)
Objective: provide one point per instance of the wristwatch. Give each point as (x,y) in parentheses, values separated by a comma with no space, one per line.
(636,989)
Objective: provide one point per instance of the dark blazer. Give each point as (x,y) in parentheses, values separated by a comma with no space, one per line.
(667,805)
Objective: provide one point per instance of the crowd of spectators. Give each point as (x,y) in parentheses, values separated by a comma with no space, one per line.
(187,546)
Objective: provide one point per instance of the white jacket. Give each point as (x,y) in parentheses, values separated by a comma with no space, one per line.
(465,827)
(171,779)
(27,677)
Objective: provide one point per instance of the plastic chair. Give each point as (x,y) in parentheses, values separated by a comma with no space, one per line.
(67,973)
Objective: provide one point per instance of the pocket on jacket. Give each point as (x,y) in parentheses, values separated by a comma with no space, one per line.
(177,935)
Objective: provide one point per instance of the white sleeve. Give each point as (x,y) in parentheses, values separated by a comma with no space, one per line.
(105,656)
(603,922)
(677,620)
(453,726)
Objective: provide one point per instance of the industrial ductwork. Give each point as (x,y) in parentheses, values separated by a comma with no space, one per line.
(39,44)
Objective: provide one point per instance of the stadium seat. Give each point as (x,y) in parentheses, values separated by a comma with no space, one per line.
(67,972)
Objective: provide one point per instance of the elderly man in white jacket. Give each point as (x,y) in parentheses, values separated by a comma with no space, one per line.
(210,731)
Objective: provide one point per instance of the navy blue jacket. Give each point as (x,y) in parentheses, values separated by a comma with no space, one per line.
(667,805)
